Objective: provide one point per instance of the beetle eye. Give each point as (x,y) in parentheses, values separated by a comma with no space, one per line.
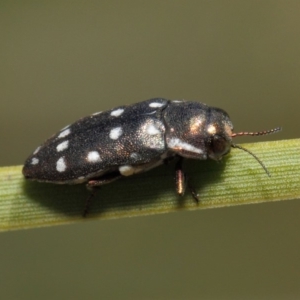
(219,147)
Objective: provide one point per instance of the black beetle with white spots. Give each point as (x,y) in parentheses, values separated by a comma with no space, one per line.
(127,140)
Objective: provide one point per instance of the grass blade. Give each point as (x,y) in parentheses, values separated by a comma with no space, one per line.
(239,179)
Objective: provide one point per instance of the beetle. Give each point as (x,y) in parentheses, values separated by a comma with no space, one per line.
(127,140)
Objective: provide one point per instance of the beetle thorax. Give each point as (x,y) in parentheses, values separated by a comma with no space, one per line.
(194,130)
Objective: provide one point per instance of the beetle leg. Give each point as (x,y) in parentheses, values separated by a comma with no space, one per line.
(183,181)
(193,192)
(180,178)
(88,202)
(93,184)
(169,159)
(105,179)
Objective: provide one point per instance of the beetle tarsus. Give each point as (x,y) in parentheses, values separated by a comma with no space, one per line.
(193,191)
(88,202)
(94,184)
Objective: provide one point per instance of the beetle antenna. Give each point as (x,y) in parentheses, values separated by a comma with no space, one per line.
(255,134)
(251,153)
(274,130)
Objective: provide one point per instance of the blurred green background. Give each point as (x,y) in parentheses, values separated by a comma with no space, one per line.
(61,60)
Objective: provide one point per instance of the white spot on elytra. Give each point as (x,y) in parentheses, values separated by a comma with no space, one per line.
(64,133)
(126,170)
(178,144)
(117,112)
(134,155)
(37,150)
(116,133)
(65,127)
(62,146)
(96,113)
(93,156)
(34,161)
(61,165)
(152,129)
(80,179)
(156,104)
(177,101)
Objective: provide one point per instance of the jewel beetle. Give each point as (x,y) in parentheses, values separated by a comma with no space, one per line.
(127,140)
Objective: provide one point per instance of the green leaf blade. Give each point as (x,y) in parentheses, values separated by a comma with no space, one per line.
(239,179)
